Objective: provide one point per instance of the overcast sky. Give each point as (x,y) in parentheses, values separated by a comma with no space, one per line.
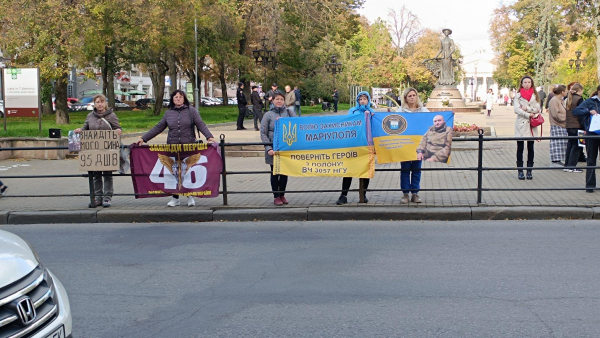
(468,19)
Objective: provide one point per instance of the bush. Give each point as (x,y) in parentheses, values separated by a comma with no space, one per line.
(465,127)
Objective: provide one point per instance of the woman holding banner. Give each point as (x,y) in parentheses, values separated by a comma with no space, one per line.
(101,118)
(363,105)
(181,119)
(267,129)
(410,176)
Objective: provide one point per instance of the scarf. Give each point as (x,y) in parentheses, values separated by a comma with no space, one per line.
(526,93)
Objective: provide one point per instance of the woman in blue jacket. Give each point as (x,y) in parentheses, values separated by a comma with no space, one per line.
(585,111)
(363,104)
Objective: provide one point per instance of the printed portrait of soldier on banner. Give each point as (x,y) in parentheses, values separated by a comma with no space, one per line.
(400,137)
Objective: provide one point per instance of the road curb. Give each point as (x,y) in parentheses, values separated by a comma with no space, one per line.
(531,213)
(145,216)
(249,215)
(386,213)
(52,217)
(300,214)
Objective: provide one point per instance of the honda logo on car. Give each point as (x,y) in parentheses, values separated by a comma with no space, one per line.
(26,310)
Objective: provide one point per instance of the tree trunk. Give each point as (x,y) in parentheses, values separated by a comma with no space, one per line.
(173,73)
(157,75)
(110,89)
(62,111)
(108,75)
(47,98)
(223,84)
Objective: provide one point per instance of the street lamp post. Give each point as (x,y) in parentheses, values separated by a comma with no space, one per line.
(264,57)
(579,62)
(334,68)
(196,96)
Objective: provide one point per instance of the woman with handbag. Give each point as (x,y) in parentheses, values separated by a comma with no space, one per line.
(101,118)
(529,120)
(557,114)
(585,111)
(180,118)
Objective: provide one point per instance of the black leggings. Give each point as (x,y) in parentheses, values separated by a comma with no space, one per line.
(278,183)
(347,181)
(530,153)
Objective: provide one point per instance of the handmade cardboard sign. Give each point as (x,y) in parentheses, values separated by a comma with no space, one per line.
(100,150)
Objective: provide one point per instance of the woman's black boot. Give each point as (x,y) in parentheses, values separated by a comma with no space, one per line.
(529,174)
(520,165)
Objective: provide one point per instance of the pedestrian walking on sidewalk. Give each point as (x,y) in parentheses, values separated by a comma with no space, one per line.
(257,106)
(557,114)
(241,103)
(363,104)
(527,106)
(573,151)
(181,119)
(101,118)
(489,101)
(298,102)
(585,111)
(410,176)
(336,97)
(267,129)
(290,99)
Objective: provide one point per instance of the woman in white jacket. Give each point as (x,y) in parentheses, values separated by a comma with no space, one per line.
(527,106)
(489,101)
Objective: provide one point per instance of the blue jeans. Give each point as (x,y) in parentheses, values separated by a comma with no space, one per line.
(410,180)
(298,110)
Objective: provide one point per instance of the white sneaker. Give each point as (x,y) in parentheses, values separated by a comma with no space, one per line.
(174,202)
(191,201)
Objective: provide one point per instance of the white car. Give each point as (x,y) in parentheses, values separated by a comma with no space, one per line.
(33,302)
(1,108)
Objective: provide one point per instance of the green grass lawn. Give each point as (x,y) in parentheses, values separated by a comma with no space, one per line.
(131,121)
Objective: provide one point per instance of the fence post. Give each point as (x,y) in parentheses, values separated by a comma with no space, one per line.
(224,172)
(480,166)
(361,191)
(92,192)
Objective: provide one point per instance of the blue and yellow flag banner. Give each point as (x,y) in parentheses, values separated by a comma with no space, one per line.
(402,137)
(323,146)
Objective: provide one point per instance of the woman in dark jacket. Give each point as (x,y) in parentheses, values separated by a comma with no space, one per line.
(180,118)
(101,118)
(574,99)
(585,111)
(267,130)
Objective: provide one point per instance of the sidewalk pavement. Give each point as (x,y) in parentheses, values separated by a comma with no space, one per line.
(311,205)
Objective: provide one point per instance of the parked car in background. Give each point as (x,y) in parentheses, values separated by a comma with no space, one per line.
(232,101)
(86,103)
(166,102)
(206,101)
(143,103)
(1,108)
(33,302)
(120,104)
(70,102)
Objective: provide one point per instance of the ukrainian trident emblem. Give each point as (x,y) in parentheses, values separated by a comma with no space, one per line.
(290,135)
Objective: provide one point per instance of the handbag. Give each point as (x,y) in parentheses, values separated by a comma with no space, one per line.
(537,121)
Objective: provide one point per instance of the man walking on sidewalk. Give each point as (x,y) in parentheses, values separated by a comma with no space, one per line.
(298,100)
(336,98)
(241,103)
(257,106)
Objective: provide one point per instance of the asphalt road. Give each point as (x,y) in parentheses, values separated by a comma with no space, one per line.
(327,279)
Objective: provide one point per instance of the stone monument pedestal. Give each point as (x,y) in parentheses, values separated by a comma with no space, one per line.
(445,93)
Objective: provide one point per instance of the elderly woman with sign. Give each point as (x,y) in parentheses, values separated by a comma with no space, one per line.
(101,118)
(181,118)
(267,131)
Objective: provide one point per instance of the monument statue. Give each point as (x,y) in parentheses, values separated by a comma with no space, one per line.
(442,66)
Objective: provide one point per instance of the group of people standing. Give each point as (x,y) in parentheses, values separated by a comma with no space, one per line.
(569,115)
(262,102)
